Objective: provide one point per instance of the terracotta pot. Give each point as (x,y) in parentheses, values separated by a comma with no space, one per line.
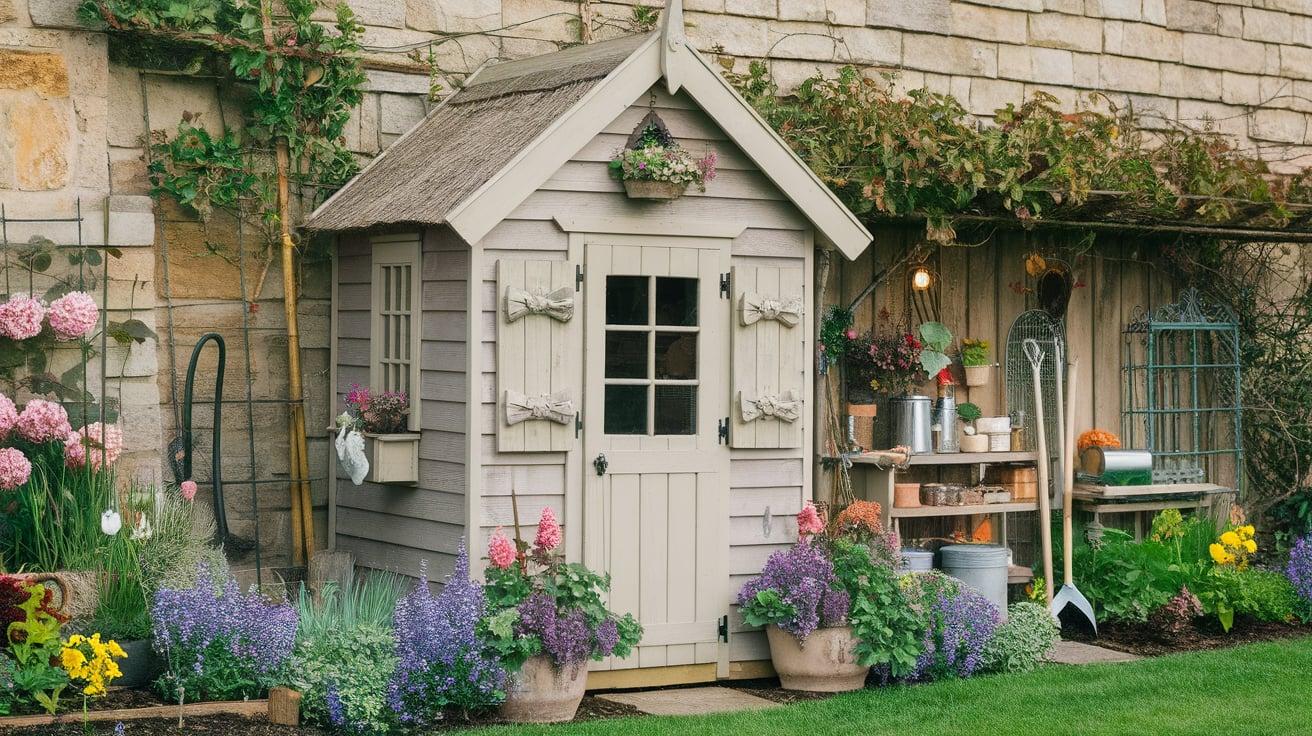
(659,190)
(824,663)
(906,495)
(974,443)
(978,375)
(863,424)
(542,693)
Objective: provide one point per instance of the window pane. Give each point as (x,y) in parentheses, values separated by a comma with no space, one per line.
(626,354)
(626,410)
(676,409)
(676,355)
(676,301)
(626,300)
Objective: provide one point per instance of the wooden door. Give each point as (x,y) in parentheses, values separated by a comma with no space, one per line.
(655,380)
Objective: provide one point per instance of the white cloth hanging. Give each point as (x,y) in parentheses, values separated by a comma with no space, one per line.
(350,453)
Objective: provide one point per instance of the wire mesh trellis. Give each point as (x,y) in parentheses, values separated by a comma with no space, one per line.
(1181,393)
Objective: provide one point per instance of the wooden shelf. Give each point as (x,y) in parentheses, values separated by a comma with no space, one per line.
(984,508)
(952,458)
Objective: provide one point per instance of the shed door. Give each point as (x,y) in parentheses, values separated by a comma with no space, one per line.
(656,374)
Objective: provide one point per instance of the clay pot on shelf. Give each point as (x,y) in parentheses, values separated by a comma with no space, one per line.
(974,442)
(906,495)
(824,663)
(540,692)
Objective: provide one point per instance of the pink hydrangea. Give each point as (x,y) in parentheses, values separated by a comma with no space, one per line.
(188,489)
(15,468)
(73,315)
(96,444)
(21,316)
(500,550)
(8,416)
(43,421)
(808,521)
(548,531)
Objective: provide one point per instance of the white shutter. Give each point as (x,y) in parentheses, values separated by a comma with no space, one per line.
(768,407)
(537,395)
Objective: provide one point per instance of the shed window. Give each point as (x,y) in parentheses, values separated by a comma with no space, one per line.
(394,334)
(651,355)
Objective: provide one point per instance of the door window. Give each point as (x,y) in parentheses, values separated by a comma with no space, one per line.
(651,355)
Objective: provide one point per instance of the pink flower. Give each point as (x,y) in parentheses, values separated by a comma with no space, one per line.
(95,444)
(8,416)
(73,315)
(15,468)
(851,334)
(43,421)
(808,521)
(20,317)
(500,550)
(188,489)
(548,531)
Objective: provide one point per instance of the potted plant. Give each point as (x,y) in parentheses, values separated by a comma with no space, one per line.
(972,440)
(831,605)
(975,359)
(546,618)
(392,450)
(653,166)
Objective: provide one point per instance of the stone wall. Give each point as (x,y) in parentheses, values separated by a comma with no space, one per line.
(74,125)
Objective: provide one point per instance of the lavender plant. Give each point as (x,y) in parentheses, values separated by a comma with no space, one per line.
(441,661)
(959,623)
(1299,572)
(218,642)
(796,591)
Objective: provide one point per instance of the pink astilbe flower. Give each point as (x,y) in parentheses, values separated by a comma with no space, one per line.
(188,489)
(548,532)
(8,416)
(808,521)
(73,315)
(15,468)
(500,550)
(21,316)
(43,421)
(95,444)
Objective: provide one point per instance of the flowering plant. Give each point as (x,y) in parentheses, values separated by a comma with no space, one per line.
(959,624)
(974,352)
(1235,547)
(89,660)
(540,604)
(381,413)
(657,157)
(1299,570)
(895,362)
(32,638)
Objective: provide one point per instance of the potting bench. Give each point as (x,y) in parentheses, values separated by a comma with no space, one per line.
(1145,501)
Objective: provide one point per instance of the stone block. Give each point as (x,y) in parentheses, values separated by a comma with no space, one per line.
(949,55)
(546,20)
(1034,64)
(989,24)
(167,98)
(753,8)
(127,127)
(54,13)
(933,16)
(1119,9)
(1154,11)
(879,46)
(1231,54)
(127,171)
(736,35)
(1033,6)
(804,41)
(789,74)
(835,12)
(1226,119)
(1059,31)
(463,17)
(1142,41)
(1265,25)
(390,13)
(1280,126)
(38,140)
(989,95)
(43,72)
(1129,75)
(202,263)
(1084,67)
(8,11)
(1231,21)
(1069,7)
(399,113)
(395,82)
(1189,81)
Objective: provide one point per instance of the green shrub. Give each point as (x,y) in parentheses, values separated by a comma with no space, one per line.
(355,665)
(1025,640)
(1261,594)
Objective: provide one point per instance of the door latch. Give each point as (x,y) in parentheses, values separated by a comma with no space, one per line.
(724,629)
(724,431)
(601,463)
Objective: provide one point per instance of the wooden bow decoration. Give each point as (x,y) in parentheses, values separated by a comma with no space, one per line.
(753,308)
(558,304)
(786,407)
(555,407)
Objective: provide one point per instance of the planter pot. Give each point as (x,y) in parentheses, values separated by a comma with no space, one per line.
(906,495)
(141,667)
(978,375)
(655,190)
(974,443)
(393,458)
(542,693)
(863,424)
(76,594)
(824,663)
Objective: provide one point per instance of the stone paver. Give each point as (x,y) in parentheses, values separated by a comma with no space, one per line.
(692,701)
(1074,652)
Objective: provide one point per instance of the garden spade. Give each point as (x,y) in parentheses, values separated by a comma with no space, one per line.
(1035,355)
(1069,595)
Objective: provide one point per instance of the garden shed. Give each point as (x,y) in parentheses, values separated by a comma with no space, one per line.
(643,367)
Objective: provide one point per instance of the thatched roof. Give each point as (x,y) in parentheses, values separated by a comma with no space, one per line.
(469,138)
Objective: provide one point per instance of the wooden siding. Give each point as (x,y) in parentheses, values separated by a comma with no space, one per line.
(400,527)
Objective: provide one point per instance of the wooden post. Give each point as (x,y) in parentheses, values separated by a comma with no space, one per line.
(284,706)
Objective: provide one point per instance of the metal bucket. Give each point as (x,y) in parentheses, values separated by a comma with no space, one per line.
(1118,467)
(916,560)
(945,416)
(981,566)
(912,422)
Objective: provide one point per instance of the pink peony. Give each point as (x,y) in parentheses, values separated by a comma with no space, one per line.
(500,550)
(808,521)
(14,468)
(548,531)
(20,317)
(94,443)
(43,421)
(73,315)
(8,416)
(188,489)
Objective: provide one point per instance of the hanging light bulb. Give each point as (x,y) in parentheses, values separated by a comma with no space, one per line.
(921,279)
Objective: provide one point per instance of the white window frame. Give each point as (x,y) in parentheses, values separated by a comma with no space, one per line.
(390,251)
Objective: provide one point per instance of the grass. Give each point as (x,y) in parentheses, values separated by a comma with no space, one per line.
(1254,689)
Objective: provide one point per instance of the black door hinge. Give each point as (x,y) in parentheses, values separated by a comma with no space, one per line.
(724,431)
(724,628)
(578,424)
(724,286)
(578,278)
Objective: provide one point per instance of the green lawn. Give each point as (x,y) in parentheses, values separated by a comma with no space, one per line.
(1250,690)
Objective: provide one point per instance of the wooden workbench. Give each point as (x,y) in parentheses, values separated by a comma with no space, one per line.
(1146,501)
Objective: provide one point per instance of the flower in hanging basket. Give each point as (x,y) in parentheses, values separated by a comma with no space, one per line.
(654,156)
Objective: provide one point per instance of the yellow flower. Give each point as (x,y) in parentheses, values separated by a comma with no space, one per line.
(1230,539)
(1218,553)
(1250,545)
(72,659)
(1247,531)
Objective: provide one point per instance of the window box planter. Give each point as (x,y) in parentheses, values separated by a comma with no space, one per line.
(654,190)
(393,458)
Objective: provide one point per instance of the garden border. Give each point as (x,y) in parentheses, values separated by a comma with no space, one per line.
(227,707)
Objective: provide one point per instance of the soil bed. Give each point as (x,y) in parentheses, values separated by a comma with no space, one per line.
(1143,640)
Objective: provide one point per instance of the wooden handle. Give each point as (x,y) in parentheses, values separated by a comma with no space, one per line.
(1068,481)
(1045,506)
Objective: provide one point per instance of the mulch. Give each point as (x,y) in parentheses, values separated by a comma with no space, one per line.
(1145,641)
(770,690)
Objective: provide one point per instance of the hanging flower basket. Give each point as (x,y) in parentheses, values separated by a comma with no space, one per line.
(654,167)
(654,190)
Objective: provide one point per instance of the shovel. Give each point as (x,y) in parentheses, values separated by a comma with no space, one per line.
(1035,355)
(1069,595)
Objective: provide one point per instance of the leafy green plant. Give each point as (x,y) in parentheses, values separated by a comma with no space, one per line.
(974,352)
(969,412)
(1025,640)
(936,338)
(835,333)
(1227,592)
(34,641)
(886,628)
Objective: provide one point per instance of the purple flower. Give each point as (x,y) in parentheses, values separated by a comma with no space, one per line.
(961,622)
(566,637)
(336,711)
(803,577)
(119,729)
(1299,569)
(608,635)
